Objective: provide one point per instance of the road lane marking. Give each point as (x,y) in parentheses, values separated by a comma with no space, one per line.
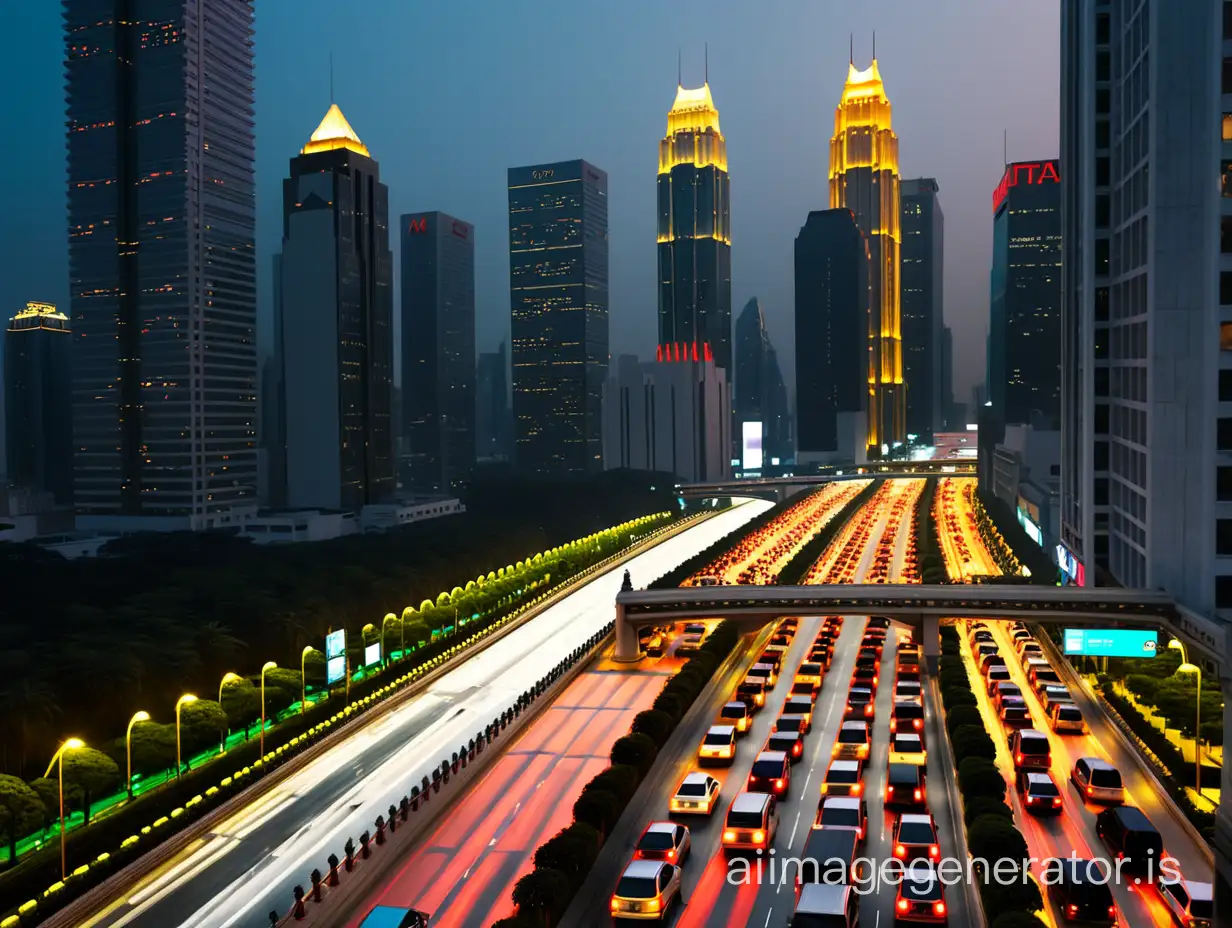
(794,829)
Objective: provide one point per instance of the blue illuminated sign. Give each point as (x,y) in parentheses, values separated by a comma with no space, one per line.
(335,656)
(1109,642)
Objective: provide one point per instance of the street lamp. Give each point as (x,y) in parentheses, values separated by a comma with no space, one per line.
(269,665)
(72,744)
(384,649)
(303,678)
(179,704)
(128,745)
(227,677)
(1187,667)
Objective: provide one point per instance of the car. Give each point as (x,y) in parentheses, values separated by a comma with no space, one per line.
(1030,650)
(1019,634)
(688,643)
(907,673)
(920,896)
(864,675)
(1030,749)
(843,812)
(1066,719)
(752,821)
(914,837)
(810,673)
(990,660)
(782,638)
(695,628)
(974,627)
(771,773)
(1191,903)
(792,722)
(697,794)
(654,646)
(790,623)
(1097,780)
(828,905)
(667,841)
(983,636)
(718,745)
(1039,792)
(1129,834)
(984,650)
(852,742)
(860,703)
(871,648)
(1040,674)
(764,672)
(736,714)
(752,693)
(790,743)
(844,778)
(707,581)
(796,704)
(878,621)
(1079,891)
(904,785)
(906,715)
(773,655)
(908,689)
(1021,642)
(1003,689)
(392,916)
(800,688)
(1053,693)
(907,748)
(1015,714)
(822,654)
(998,673)
(648,891)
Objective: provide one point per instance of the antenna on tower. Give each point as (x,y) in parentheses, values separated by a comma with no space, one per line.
(706,73)
(851,44)
(331,78)
(874,45)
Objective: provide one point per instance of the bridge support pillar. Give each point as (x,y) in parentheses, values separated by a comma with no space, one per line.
(1223,826)
(628,648)
(930,643)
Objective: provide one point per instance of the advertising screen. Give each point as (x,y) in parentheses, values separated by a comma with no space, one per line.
(372,654)
(335,656)
(750,454)
(1032,530)
(1111,642)
(335,670)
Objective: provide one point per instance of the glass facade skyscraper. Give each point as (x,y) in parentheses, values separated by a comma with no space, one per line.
(161,260)
(760,394)
(923,232)
(438,350)
(558,296)
(37,397)
(864,179)
(694,234)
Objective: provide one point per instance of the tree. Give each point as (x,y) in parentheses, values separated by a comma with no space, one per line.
(568,853)
(986,805)
(93,772)
(962,715)
(241,701)
(972,741)
(202,726)
(980,777)
(545,893)
(597,808)
(636,750)
(654,724)
(620,780)
(21,812)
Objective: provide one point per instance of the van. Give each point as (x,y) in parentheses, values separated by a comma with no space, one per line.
(829,857)
(826,906)
(1030,749)
(1042,674)
(1129,834)
(1097,780)
(1052,694)
(751,822)
(1066,719)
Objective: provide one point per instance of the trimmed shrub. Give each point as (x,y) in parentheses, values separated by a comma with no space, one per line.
(980,777)
(569,853)
(597,808)
(962,715)
(654,724)
(545,893)
(670,705)
(621,780)
(986,805)
(993,837)
(517,921)
(957,696)
(972,741)
(954,678)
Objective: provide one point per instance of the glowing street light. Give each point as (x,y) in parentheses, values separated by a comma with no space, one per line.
(128,745)
(72,744)
(179,704)
(227,678)
(269,665)
(303,678)
(1187,667)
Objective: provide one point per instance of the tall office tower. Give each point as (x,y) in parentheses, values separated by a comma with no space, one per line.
(1147,292)
(273,430)
(864,179)
(492,416)
(558,298)
(1024,330)
(37,397)
(923,249)
(777,415)
(949,419)
(694,234)
(438,349)
(760,395)
(832,298)
(337,323)
(161,262)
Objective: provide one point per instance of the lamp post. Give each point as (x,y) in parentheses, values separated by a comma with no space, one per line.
(227,677)
(1187,667)
(128,746)
(303,678)
(71,744)
(384,650)
(269,665)
(179,704)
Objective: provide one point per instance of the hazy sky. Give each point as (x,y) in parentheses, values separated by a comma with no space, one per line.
(447,95)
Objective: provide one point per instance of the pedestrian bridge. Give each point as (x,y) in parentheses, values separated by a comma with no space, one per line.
(781,488)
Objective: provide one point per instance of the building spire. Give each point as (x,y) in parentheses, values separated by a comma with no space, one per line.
(874,45)
(851,48)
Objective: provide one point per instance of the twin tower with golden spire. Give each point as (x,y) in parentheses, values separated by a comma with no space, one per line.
(694,235)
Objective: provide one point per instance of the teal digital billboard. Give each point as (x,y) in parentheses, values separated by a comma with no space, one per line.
(1110,642)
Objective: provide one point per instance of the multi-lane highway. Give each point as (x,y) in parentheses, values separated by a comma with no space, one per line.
(965,554)
(247,866)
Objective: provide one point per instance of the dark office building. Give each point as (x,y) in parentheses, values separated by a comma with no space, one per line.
(1024,337)
(337,324)
(951,420)
(694,234)
(161,215)
(37,397)
(493,421)
(438,350)
(832,326)
(923,231)
(760,393)
(558,298)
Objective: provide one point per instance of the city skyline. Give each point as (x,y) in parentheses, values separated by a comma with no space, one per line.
(427,174)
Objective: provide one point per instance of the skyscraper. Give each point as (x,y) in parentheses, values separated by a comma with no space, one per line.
(337,323)
(161,262)
(760,393)
(1024,331)
(832,318)
(923,246)
(492,416)
(694,234)
(1146,457)
(37,397)
(949,417)
(558,296)
(864,179)
(438,349)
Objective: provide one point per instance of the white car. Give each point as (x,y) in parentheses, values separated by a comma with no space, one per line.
(1191,903)
(697,794)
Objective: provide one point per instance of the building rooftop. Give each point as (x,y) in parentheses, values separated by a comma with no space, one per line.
(39,316)
(333,133)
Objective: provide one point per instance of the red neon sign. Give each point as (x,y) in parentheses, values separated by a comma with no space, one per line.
(684,351)
(419,225)
(1024,172)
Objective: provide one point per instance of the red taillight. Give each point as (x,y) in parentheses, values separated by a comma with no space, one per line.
(857,789)
(919,794)
(671,855)
(903,905)
(778,784)
(1112,911)
(797,748)
(919,723)
(868,708)
(1030,799)
(934,850)
(1018,758)
(889,790)
(1071,910)
(939,908)
(900,851)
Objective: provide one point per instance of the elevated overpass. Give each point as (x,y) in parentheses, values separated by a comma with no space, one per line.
(781,488)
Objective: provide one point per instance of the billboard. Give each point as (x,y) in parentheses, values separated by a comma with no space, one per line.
(372,654)
(1032,530)
(335,656)
(1111,642)
(750,445)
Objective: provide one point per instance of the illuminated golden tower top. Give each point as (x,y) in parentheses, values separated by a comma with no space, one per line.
(333,133)
(863,131)
(693,135)
(39,316)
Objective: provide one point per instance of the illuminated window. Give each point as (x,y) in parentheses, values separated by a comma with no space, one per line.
(1227,127)
(1225,336)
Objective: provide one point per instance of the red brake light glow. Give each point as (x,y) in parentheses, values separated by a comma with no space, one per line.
(900,851)
(919,794)
(903,905)
(939,908)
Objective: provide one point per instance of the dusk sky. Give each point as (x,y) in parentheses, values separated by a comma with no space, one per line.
(448,95)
